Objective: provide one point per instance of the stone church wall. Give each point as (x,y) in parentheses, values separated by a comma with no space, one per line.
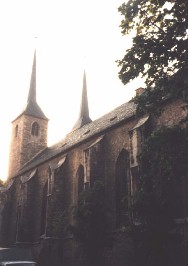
(43,195)
(24,145)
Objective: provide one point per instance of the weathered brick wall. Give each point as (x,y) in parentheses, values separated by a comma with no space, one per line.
(15,147)
(24,145)
(173,113)
(31,145)
(9,214)
(29,229)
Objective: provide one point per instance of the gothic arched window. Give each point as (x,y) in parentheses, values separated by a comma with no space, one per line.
(44,209)
(80,178)
(16,131)
(121,188)
(35,129)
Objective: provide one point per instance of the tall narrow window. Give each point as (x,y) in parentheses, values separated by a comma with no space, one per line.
(16,131)
(94,162)
(35,129)
(121,184)
(50,182)
(80,175)
(44,209)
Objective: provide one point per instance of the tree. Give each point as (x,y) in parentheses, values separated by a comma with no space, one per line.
(161,198)
(159,52)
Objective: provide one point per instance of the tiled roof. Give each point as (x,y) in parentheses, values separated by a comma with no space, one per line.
(33,109)
(97,127)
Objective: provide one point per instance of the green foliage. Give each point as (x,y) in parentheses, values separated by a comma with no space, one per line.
(90,224)
(160,198)
(159,52)
(163,167)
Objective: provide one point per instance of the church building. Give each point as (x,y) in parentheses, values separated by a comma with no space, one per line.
(44,182)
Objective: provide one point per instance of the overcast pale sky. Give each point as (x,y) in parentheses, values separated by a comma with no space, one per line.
(71,36)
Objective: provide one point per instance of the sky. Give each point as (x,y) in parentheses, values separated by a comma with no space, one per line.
(69,36)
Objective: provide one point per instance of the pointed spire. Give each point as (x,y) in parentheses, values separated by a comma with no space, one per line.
(32,89)
(32,108)
(84,109)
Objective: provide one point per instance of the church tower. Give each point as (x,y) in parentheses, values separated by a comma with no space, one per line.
(29,130)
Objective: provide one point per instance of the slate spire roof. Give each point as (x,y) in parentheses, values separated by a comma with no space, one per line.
(32,108)
(83,118)
(32,88)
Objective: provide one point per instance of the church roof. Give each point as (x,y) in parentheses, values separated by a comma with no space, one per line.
(32,108)
(76,137)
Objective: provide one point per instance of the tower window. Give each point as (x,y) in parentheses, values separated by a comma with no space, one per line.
(35,129)
(16,131)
